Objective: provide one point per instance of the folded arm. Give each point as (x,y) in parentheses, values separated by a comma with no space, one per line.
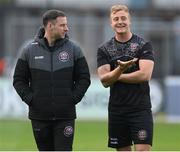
(109,77)
(143,74)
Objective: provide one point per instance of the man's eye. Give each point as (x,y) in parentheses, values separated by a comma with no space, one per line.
(123,18)
(115,19)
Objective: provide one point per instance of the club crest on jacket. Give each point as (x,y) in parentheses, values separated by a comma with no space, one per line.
(63,56)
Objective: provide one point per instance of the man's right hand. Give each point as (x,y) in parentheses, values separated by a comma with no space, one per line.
(125,64)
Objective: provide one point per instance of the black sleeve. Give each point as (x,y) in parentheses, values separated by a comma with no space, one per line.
(147,52)
(81,76)
(21,78)
(102,57)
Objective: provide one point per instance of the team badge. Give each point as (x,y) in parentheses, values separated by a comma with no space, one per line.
(63,56)
(133,46)
(142,134)
(68,131)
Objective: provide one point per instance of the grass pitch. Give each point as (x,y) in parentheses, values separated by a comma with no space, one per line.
(17,135)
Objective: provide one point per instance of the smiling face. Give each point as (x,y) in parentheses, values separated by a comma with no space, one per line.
(120,22)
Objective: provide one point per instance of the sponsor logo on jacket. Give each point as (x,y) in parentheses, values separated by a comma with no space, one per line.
(38,57)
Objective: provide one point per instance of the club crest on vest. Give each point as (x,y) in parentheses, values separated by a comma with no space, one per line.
(134,46)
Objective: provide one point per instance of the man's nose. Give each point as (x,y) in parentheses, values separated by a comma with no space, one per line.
(66,28)
(120,21)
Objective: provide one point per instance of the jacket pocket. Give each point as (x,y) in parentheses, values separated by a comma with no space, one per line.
(71,95)
(28,99)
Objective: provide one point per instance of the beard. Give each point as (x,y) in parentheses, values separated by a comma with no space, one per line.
(59,36)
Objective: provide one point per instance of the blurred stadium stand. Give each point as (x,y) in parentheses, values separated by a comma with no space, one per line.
(156,20)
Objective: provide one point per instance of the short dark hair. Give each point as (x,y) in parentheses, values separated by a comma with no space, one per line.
(51,15)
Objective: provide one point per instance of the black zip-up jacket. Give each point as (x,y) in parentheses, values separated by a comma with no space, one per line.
(51,80)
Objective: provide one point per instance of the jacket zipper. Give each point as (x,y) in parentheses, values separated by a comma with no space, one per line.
(52,83)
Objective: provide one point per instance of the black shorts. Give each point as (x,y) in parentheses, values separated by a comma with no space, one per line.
(130,128)
(54,135)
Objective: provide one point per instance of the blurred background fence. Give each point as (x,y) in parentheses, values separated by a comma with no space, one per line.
(156,20)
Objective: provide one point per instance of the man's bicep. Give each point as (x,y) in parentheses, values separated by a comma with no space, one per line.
(103,70)
(146,66)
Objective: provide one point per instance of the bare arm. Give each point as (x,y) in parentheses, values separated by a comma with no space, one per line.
(108,77)
(143,74)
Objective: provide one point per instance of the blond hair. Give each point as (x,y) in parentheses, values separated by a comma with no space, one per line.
(119,7)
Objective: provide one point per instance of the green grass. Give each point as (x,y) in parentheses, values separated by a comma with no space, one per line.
(16,135)
(89,136)
(166,137)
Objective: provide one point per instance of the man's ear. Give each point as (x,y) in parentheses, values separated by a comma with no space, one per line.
(49,25)
(110,21)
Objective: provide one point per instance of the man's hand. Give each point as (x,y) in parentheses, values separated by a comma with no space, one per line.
(125,64)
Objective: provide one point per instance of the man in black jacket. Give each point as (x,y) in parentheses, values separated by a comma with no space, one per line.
(51,77)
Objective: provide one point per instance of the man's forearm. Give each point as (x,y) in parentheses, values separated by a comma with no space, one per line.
(134,77)
(111,77)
